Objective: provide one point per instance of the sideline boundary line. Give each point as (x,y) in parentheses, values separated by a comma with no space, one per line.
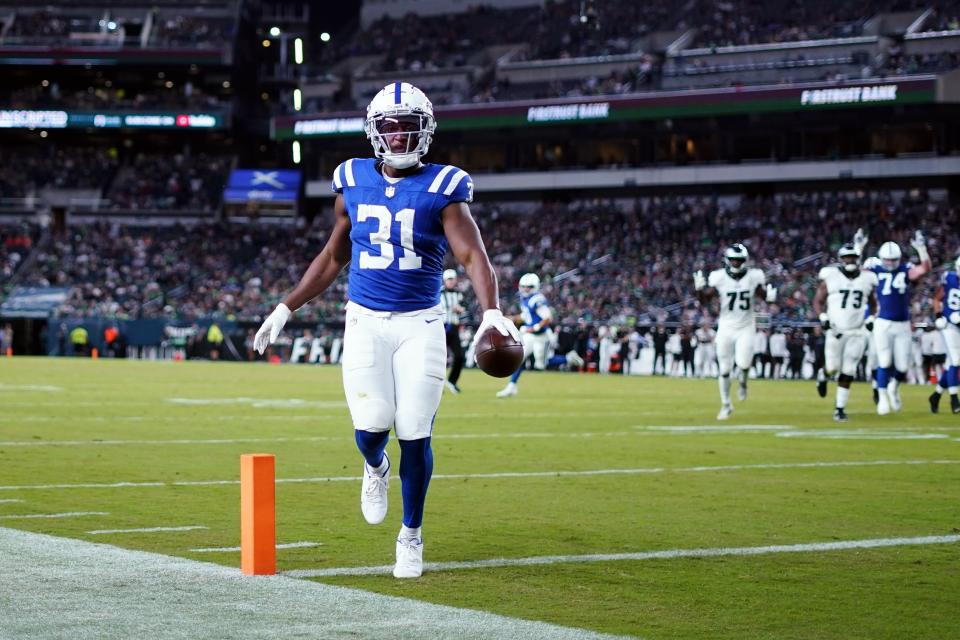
(671,554)
(504,474)
(102,591)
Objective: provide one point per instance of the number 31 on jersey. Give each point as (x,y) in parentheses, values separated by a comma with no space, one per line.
(381,238)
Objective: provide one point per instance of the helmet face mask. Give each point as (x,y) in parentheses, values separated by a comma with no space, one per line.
(735,259)
(400,125)
(849,259)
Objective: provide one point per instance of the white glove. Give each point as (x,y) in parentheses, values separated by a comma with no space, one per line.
(771,293)
(699,280)
(270,329)
(495,318)
(954,317)
(919,243)
(860,240)
(940,323)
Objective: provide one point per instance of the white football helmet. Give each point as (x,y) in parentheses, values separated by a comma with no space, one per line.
(890,255)
(449,274)
(847,251)
(529,283)
(398,110)
(736,253)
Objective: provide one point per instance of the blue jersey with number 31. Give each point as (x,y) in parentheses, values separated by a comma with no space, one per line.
(396,231)
(893,292)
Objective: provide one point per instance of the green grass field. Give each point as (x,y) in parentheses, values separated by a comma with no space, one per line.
(106,422)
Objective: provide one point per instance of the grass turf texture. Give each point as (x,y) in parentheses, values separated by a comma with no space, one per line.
(892,592)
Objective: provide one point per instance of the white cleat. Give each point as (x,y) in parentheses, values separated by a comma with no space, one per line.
(725,412)
(883,404)
(894,392)
(507,391)
(409,558)
(373,493)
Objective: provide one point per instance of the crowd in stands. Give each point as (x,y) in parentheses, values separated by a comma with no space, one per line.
(192,31)
(157,181)
(25,174)
(601,262)
(17,239)
(185,96)
(170,181)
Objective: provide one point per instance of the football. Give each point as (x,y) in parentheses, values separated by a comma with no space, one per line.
(498,355)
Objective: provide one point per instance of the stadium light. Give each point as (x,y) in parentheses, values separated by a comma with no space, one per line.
(265,43)
(274,31)
(296,151)
(297,99)
(298,50)
(325,37)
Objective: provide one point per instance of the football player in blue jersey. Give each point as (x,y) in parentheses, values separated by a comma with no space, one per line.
(536,332)
(891,332)
(394,219)
(946,304)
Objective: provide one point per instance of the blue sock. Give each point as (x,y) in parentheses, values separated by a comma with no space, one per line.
(883,377)
(953,378)
(371,445)
(416,467)
(516,374)
(943,382)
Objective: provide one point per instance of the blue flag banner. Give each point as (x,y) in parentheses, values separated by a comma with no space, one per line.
(262,185)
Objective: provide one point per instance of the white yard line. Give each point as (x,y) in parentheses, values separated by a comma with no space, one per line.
(85,591)
(504,474)
(287,545)
(69,514)
(192,527)
(646,555)
(10,500)
(860,434)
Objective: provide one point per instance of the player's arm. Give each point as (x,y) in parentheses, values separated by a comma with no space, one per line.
(328,264)
(919,244)
(464,238)
(705,292)
(766,292)
(820,299)
(319,275)
(546,318)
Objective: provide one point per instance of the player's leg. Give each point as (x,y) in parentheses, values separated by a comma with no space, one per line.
(883,341)
(526,339)
(367,369)
(949,378)
(540,344)
(419,363)
(726,346)
(851,351)
(902,344)
(743,355)
(832,353)
(455,347)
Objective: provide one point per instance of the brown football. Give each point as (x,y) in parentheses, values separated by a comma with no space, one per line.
(498,355)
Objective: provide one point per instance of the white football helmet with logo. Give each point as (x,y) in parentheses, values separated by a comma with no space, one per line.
(400,104)
(736,253)
(849,250)
(890,255)
(529,281)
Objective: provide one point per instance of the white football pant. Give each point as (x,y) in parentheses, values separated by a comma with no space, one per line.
(892,340)
(843,354)
(537,344)
(394,365)
(951,335)
(735,346)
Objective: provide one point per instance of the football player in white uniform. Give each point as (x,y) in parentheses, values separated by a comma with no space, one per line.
(395,217)
(844,292)
(736,286)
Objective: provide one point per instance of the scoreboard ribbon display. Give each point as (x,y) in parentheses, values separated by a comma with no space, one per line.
(52,119)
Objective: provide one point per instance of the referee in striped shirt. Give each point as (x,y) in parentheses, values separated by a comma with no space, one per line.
(452,301)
